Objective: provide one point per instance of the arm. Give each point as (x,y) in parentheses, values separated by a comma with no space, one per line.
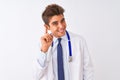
(88,66)
(44,56)
(40,66)
(42,63)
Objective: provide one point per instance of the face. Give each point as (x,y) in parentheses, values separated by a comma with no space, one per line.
(57,25)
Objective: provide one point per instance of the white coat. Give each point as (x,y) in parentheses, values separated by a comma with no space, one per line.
(79,69)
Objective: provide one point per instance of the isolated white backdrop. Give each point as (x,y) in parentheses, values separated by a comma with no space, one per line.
(21,26)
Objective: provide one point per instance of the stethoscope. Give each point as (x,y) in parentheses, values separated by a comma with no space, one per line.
(69,46)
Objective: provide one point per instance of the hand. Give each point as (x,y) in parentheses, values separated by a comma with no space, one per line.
(46,41)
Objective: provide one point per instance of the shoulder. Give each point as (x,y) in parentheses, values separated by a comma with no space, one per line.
(77,39)
(74,36)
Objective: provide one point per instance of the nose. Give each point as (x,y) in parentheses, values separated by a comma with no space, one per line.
(60,25)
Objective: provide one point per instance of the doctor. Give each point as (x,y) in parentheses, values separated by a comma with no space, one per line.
(63,55)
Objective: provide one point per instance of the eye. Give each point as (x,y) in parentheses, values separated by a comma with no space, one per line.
(63,20)
(55,23)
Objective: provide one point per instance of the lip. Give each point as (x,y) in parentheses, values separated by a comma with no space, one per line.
(61,31)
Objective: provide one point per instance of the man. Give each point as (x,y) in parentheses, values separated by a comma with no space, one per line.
(63,55)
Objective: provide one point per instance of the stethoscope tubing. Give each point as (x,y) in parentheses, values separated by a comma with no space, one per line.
(69,46)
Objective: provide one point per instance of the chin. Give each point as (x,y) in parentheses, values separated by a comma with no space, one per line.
(62,34)
(59,34)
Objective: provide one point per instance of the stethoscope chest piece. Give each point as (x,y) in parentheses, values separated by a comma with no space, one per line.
(70,58)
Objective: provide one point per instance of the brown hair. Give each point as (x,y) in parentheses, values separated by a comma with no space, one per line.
(51,10)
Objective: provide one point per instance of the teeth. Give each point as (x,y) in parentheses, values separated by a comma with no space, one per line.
(61,31)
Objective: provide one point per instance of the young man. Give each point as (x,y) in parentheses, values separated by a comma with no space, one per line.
(63,55)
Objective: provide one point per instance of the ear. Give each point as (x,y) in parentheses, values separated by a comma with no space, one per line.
(47,27)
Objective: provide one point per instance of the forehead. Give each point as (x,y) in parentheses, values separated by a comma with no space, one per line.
(56,18)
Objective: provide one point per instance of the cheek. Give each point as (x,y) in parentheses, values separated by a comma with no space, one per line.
(53,29)
(64,24)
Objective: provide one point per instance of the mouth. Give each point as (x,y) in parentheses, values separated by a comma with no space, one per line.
(60,33)
(61,30)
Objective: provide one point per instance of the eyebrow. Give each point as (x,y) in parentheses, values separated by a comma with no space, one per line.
(54,22)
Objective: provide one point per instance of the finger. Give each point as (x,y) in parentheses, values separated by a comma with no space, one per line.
(46,31)
(49,37)
(44,39)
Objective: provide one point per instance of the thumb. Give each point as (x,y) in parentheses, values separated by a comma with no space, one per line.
(46,31)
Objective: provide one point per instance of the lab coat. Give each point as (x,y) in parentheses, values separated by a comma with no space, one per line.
(80,68)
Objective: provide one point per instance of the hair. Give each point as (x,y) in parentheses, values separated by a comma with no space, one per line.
(50,11)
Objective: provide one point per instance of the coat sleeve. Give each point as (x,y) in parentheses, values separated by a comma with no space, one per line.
(88,66)
(41,64)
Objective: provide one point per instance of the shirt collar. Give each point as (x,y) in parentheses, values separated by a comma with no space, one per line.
(63,38)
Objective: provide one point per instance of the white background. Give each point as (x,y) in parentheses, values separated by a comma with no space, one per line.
(21,26)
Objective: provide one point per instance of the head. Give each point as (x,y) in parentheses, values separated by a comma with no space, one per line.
(54,20)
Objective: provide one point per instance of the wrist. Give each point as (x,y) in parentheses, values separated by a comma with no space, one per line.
(44,49)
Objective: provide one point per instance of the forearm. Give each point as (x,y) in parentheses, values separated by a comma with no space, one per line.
(42,58)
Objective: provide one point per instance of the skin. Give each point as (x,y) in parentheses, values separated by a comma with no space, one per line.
(57,26)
